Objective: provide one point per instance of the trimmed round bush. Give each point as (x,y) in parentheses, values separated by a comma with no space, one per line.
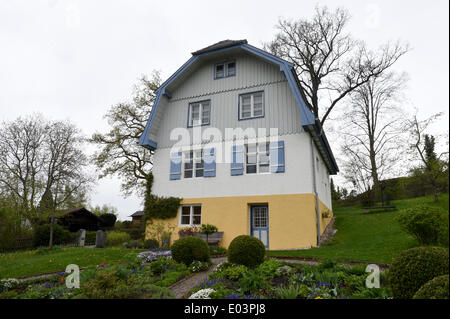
(187,249)
(61,236)
(246,250)
(415,267)
(436,288)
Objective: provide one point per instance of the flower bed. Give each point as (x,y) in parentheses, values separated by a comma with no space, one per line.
(133,279)
(281,280)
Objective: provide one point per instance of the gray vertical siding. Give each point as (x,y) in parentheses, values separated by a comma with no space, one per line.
(252,74)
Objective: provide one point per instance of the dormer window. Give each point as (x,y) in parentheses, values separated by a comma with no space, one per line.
(225,69)
(199,113)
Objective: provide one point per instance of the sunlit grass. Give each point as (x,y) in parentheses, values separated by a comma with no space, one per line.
(34,262)
(374,237)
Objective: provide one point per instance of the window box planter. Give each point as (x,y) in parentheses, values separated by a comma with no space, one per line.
(213,239)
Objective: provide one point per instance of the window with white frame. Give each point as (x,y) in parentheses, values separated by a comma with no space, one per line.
(193,163)
(191,215)
(257,158)
(199,113)
(251,105)
(225,69)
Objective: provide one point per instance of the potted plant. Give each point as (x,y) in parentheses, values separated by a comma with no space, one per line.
(207,230)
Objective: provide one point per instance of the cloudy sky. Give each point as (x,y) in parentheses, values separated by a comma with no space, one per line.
(74,59)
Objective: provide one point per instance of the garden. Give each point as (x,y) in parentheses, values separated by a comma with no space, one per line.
(130,268)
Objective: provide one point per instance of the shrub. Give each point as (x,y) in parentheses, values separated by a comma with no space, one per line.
(90,238)
(115,238)
(229,271)
(217,250)
(252,282)
(163,264)
(134,232)
(414,267)
(108,220)
(151,243)
(246,250)
(60,235)
(269,268)
(327,263)
(427,224)
(436,288)
(134,244)
(187,249)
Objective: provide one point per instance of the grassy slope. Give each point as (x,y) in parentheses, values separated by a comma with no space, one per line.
(27,263)
(374,237)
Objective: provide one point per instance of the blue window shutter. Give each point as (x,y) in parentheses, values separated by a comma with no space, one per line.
(237,160)
(175,165)
(209,162)
(277,157)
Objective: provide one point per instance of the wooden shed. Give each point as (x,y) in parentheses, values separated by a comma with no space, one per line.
(79,218)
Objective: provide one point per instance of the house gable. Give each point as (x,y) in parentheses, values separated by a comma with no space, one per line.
(183,84)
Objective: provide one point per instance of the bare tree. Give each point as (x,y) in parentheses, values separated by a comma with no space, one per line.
(41,164)
(329,62)
(65,166)
(372,125)
(119,152)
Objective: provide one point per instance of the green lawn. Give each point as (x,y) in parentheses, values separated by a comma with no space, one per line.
(374,237)
(33,262)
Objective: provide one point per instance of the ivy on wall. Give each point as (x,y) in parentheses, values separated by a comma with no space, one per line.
(156,207)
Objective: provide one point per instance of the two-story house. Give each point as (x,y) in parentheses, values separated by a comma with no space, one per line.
(267,172)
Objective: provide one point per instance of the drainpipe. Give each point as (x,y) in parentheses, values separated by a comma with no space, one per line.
(313,158)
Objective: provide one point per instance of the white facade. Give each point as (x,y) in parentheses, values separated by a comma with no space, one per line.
(296,179)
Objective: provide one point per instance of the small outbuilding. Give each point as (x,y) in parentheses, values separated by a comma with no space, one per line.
(79,218)
(137,217)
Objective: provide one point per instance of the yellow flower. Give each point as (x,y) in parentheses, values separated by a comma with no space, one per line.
(318,297)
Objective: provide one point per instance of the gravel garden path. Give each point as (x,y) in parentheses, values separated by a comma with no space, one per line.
(182,287)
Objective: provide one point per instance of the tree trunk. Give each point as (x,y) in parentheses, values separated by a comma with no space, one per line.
(374,171)
(50,243)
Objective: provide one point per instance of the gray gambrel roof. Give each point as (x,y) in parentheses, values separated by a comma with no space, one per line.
(137,214)
(220,45)
(308,121)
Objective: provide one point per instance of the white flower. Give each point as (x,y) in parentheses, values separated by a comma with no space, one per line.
(9,283)
(218,266)
(202,294)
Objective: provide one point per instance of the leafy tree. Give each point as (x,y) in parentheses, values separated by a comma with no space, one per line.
(108,220)
(119,153)
(433,168)
(334,192)
(104,209)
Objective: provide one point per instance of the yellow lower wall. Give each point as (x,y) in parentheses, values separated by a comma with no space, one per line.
(292,218)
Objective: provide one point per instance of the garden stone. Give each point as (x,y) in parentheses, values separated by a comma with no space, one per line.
(100,239)
(81,237)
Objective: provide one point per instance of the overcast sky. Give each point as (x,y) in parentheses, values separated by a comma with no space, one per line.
(74,59)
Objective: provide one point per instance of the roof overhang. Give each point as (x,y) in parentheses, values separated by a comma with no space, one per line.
(308,121)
